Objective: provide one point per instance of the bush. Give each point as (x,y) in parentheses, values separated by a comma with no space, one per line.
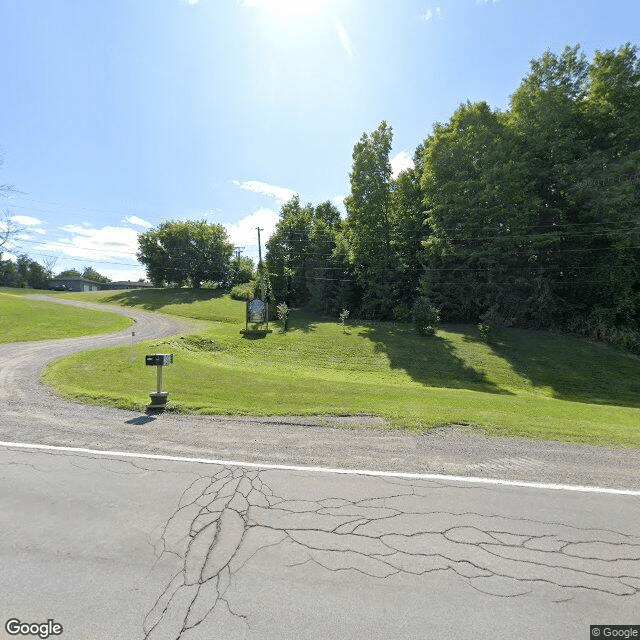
(426,317)
(283,314)
(245,291)
(593,328)
(490,321)
(402,313)
(344,316)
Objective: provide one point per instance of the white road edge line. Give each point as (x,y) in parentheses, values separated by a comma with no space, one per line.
(361,472)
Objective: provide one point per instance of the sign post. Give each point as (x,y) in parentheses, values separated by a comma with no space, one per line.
(159,360)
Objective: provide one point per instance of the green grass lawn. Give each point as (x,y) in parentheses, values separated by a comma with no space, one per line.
(203,304)
(23,320)
(524,383)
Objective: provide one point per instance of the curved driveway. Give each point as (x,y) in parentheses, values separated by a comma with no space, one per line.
(30,413)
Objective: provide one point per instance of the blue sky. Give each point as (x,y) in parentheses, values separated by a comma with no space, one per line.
(116,115)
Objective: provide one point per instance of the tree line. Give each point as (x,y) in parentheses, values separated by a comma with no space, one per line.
(526,217)
(25,272)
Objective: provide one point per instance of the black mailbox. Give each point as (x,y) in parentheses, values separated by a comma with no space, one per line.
(158,359)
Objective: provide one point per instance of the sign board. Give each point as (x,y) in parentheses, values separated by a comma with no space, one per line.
(158,359)
(257,311)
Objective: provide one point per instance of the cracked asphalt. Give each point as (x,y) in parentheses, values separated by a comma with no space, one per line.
(148,549)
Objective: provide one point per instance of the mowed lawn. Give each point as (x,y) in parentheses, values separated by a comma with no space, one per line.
(523,383)
(24,320)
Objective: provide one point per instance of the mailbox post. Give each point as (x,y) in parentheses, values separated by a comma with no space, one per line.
(159,360)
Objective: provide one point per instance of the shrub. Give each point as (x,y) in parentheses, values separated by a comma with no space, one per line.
(244,291)
(490,322)
(426,317)
(344,316)
(283,314)
(402,313)
(593,328)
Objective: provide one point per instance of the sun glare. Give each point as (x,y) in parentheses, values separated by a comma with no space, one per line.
(292,7)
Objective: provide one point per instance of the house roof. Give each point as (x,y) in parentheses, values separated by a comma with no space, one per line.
(74,279)
(135,283)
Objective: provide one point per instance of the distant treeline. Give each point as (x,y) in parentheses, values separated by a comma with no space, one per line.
(27,273)
(529,216)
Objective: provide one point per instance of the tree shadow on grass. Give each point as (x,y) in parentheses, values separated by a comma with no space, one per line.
(255,334)
(431,361)
(571,367)
(300,320)
(154,299)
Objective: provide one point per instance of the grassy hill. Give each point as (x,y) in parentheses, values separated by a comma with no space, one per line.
(23,320)
(524,383)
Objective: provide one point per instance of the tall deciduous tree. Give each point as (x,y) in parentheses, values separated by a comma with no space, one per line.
(242,270)
(408,232)
(92,274)
(300,255)
(477,203)
(23,273)
(186,252)
(287,253)
(327,273)
(369,230)
(610,186)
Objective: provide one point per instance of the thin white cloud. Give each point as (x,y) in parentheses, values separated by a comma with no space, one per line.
(401,162)
(138,222)
(116,275)
(191,2)
(282,194)
(244,232)
(23,223)
(95,244)
(27,221)
(343,36)
(431,14)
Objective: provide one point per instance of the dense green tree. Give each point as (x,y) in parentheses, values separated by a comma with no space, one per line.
(548,114)
(609,187)
(24,272)
(241,270)
(532,213)
(287,253)
(69,273)
(327,273)
(369,228)
(91,274)
(408,231)
(186,252)
(303,264)
(9,276)
(478,205)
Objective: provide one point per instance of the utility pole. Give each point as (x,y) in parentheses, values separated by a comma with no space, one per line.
(260,264)
(238,251)
(259,247)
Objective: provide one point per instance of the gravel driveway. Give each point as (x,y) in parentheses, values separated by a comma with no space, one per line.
(30,413)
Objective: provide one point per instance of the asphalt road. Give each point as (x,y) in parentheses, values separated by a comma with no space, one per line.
(112,547)
(125,549)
